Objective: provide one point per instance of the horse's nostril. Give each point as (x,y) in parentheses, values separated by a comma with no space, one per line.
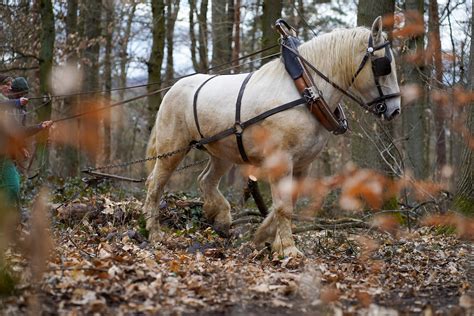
(391,116)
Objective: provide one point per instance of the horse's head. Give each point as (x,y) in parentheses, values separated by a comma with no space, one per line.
(376,76)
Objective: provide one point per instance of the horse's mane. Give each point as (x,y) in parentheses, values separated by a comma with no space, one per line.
(336,54)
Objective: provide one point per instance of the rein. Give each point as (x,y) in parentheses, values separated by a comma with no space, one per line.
(367,106)
(296,67)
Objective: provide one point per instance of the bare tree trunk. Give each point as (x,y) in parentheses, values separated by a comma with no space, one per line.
(46,52)
(464,197)
(221,32)
(108,34)
(236,49)
(156,58)
(305,33)
(271,12)
(192,34)
(203,46)
(90,64)
(45,66)
(438,84)
(198,45)
(253,34)
(172,8)
(119,119)
(123,47)
(415,123)
(67,156)
(365,131)
(92,32)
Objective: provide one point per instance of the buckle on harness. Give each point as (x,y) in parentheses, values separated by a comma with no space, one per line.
(310,94)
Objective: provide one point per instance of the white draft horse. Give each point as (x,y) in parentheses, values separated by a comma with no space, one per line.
(296,132)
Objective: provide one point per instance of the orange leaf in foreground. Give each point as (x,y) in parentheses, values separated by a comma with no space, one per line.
(84,132)
(464,226)
(330,294)
(388,223)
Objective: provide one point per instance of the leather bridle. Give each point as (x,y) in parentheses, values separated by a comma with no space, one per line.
(380,67)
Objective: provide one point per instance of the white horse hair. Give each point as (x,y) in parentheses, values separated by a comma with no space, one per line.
(297,134)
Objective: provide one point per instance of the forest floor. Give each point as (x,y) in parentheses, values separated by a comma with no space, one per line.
(100,262)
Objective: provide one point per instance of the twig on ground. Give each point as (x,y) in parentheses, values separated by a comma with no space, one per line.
(184,203)
(90,255)
(312,227)
(77,268)
(324,221)
(247,213)
(247,220)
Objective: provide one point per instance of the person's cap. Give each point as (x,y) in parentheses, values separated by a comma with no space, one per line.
(20,85)
(4,79)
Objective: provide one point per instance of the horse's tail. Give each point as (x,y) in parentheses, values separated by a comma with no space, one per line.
(151,149)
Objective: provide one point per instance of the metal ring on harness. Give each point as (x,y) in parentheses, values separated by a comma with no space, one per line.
(238,128)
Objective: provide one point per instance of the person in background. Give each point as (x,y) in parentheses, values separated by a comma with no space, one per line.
(5,91)
(19,88)
(12,139)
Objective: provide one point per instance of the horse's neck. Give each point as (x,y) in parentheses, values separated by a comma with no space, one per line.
(334,57)
(332,54)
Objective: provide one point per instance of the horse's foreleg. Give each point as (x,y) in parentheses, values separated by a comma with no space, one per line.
(156,182)
(216,207)
(277,226)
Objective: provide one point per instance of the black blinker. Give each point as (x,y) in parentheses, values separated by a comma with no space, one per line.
(382,66)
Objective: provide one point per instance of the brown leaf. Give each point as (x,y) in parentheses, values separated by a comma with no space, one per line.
(413,25)
(329,294)
(365,299)
(388,223)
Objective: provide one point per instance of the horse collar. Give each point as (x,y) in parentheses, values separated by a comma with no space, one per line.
(334,122)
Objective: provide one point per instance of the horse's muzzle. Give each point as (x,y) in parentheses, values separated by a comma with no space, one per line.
(392,115)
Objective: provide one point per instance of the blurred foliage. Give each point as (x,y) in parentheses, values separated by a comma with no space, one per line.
(7,281)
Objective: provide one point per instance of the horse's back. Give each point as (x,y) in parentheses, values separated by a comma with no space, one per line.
(214,102)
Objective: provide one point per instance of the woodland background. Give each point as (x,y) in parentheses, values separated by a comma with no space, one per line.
(75,47)
(68,49)
(84,248)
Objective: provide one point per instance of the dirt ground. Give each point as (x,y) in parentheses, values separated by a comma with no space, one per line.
(100,262)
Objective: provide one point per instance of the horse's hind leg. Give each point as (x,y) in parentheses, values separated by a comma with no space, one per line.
(216,207)
(157,180)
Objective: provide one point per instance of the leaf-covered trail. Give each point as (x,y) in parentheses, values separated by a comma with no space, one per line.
(102,264)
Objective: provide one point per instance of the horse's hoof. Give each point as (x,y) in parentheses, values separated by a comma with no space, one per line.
(289,251)
(292,251)
(223,230)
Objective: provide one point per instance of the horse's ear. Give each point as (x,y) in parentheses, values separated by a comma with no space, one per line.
(377,30)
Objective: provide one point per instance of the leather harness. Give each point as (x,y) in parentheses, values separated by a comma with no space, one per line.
(334,122)
(195,105)
(295,64)
(238,127)
(239,131)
